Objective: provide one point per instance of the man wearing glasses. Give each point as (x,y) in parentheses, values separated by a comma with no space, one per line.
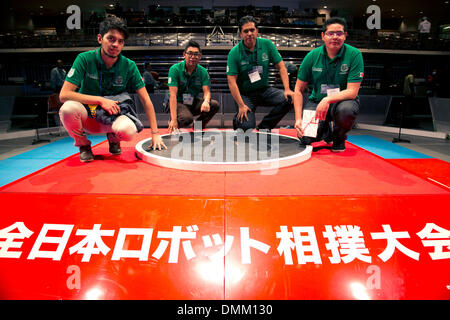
(335,71)
(248,79)
(186,80)
(94,78)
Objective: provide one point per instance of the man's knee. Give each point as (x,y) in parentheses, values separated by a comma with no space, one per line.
(185,121)
(128,134)
(348,108)
(70,108)
(124,128)
(214,106)
(277,98)
(345,113)
(72,112)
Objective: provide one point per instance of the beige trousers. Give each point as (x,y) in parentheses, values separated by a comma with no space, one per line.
(75,119)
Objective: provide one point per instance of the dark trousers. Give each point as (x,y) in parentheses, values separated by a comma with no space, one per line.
(342,115)
(186,113)
(267,97)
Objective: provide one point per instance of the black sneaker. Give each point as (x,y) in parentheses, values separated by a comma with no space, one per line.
(327,133)
(86,154)
(263,129)
(328,138)
(338,146)
(305,141)
(114,148)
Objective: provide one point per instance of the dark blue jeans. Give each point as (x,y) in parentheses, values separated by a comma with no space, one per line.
(342,114)
(273,97)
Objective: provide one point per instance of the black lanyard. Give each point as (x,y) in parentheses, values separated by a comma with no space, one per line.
(247,58)
(325,65)
(189,78)
(101,71)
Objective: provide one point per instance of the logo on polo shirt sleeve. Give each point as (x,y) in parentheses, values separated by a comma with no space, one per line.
(71,72)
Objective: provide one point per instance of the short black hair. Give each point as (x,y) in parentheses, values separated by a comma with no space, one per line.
(192,43)
(247,19)
(113,23)
(333,21)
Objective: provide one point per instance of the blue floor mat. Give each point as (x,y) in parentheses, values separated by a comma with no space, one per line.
(385,149)
(31,161)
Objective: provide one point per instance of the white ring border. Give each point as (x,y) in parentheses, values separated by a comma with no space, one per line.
(209,166)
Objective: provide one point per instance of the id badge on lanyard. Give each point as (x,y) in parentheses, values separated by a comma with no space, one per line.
(255,74)
(188,99)
(329,90)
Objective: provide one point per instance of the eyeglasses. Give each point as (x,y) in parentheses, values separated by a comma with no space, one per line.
(334,33)
(193,54)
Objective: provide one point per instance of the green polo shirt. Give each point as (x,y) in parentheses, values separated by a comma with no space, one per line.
(90,74)
(187,83)
(241,61)
(347,66)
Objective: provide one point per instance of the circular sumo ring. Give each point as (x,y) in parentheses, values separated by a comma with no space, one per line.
(225,150)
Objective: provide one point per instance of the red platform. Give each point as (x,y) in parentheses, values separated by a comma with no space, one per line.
(339,226)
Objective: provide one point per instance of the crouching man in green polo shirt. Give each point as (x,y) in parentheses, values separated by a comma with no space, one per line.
(335,71)
(186,80)
(248,79)
(94,75)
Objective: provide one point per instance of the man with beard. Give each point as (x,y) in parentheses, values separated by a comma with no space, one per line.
(94,78)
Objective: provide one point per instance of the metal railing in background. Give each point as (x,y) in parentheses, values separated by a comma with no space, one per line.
(207,36)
